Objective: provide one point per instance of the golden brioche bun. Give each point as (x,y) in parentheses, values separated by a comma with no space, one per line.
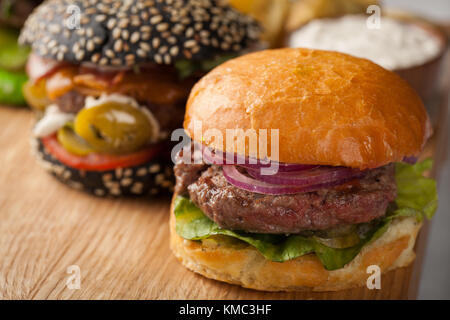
(330,108)
(248,268)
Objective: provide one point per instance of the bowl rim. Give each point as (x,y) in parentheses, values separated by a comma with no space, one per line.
(432,28)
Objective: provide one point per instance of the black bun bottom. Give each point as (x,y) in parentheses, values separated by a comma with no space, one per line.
(152,178)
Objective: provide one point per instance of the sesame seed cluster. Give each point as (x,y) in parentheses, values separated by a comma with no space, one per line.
(127,32)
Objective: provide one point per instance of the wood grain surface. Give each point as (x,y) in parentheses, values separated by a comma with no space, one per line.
(120,246)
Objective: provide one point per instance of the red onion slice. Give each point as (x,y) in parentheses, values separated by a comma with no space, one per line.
(234,177)
(282,167)
(222,158)
(239,180)
(211,157)
(410,160)
(320,175)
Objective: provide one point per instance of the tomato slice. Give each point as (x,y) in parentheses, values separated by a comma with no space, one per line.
(97,161)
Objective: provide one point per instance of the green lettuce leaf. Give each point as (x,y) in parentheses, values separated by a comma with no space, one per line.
(13,57)
(416,194)
(417,197)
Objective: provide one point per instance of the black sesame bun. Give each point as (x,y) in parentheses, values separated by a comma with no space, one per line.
(141,47)
(154,177)
(125,33)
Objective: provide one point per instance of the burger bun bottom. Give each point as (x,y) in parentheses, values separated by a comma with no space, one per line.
(152,178)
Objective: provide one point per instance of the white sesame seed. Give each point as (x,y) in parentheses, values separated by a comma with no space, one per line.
(135,37)
(156,19)
(190,43)
(154,168)
(126,182)
(141,172)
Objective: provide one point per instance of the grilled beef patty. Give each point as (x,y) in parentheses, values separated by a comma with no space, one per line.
(71,102)
(232,208)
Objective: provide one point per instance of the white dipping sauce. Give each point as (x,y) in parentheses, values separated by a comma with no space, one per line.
(395,45)
(52,120)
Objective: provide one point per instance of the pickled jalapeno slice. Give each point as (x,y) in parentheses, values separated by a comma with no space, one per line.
(72,142)
(114,127)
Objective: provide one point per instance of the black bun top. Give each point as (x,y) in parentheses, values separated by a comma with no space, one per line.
(128,32)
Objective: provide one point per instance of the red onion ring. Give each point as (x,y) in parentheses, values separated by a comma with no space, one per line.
(214,157)
(286,178)
(319,175)
(410,160)
(239,180)
(210,157)
(282,167)
(234,177)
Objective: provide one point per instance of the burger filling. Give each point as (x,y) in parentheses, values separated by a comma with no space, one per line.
(108,111)
(332,220)
(357,201)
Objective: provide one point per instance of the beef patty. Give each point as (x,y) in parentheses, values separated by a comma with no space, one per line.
(232,208)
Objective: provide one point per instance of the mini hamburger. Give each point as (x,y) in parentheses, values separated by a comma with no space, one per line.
(111,79)
(12,56)
(346,192)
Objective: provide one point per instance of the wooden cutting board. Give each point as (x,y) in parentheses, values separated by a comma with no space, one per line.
(121,247)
